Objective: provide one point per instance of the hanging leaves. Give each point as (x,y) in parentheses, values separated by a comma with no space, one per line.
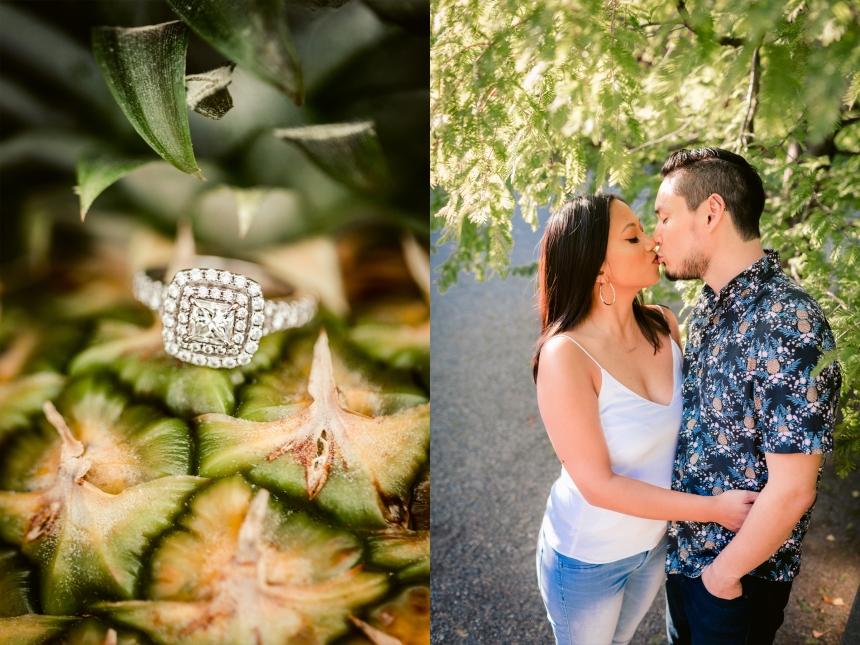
(349,152)
(251,33)
(530,104)
(145,70)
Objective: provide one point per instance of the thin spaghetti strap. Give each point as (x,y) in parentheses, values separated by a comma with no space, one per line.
(670,334)
(582,348)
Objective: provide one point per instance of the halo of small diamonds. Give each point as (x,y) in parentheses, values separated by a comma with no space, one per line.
(217,324)
(217,318)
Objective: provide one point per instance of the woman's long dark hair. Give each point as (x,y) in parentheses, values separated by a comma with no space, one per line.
(573,250)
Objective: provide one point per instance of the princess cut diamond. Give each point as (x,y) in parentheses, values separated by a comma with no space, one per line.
(211,322)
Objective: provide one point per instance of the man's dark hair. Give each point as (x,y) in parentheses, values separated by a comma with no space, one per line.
(705,171)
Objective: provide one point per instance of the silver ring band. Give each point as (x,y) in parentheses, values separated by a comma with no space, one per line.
(215,313)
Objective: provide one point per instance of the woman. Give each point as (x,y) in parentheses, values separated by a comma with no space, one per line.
(609,392)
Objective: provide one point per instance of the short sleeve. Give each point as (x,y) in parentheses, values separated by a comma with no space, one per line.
(796,411)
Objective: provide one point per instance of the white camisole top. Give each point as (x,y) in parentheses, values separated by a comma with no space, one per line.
(642,437)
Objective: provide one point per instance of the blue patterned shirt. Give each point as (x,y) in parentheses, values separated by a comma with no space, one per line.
(748,390)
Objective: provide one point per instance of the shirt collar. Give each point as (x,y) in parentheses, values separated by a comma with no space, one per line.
(745,285)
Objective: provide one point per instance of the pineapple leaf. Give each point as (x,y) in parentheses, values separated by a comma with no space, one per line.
(16,586)
(137,356)
(402,621)
(399,345)
(357,467)
(23,398)
(82,558)
(252,33)
(349,152)
(406,551)
(31,629)
(207,93)
(59,148)
(314,265)
(89,542)
(126,444)
(248,202)
(145,70)
(245,571)
(92,631)
(96,173)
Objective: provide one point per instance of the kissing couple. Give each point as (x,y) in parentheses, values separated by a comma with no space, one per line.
(694,468)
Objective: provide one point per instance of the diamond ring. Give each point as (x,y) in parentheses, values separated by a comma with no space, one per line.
(216,315)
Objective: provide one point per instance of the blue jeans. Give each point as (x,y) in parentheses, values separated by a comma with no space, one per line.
(696,617)
(598,604)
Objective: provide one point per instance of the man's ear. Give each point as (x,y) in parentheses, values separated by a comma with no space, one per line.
(715,209)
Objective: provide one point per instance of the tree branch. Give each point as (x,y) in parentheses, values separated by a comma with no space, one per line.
(748,127)
(663,138)
(731,41)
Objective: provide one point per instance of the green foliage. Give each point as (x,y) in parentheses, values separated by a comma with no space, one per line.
(533,102)
(98,103)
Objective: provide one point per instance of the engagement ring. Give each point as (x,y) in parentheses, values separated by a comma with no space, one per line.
(216,315)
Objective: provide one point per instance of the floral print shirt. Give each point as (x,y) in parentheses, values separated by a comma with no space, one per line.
(748,390)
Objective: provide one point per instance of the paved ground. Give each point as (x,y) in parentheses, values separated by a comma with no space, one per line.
(493,467)
(491,461)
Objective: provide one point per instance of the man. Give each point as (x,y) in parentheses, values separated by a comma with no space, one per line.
(755,417)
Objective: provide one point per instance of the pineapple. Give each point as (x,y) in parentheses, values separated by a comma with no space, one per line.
(144,500)
(126,494)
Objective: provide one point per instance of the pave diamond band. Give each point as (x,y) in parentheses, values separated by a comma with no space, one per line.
(216,315)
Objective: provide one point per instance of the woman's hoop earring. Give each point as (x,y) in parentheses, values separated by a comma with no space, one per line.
(600,293)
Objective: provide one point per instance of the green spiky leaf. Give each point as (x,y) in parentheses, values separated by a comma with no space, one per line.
(96,173)
(145,70)
(348,152)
